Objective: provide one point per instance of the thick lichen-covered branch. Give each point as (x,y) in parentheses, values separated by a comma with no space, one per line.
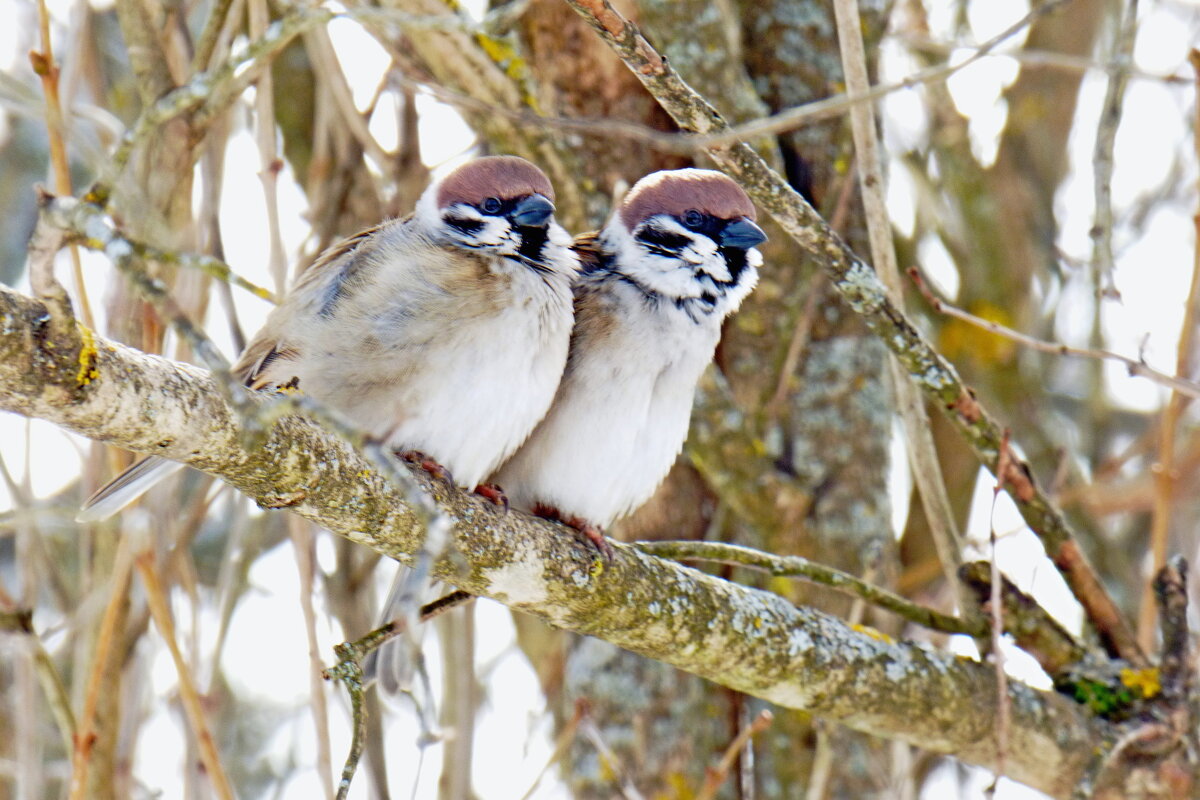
(861,288)
(745,639)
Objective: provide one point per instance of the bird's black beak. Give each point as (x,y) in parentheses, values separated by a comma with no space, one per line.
(743,234)
(533,211)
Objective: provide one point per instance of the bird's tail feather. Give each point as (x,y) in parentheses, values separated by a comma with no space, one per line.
(125,488)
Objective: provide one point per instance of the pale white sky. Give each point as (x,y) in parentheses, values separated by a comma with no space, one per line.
(513,735)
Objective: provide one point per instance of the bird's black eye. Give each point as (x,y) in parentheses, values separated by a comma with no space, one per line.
(491,205)
(693,218)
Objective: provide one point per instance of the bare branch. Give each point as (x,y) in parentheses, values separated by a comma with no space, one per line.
(349,671)
(1135,367)
(1102,154)
(209,93)
(1166,470)
(717,776)
(1034,631)
(926,468)
(47,69)
(751,641)
(800,567)
(156,599)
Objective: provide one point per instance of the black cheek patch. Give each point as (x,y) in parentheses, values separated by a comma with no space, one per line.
(662,242)
(735,260)
(464,224)
(533,242)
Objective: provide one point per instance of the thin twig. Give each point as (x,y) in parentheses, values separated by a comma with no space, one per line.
(47,69)
(566,735)
(689,143)
(800,567)
(349,671)
(1040,58)
(1166,471)
(160,610)
(117,593)
(95,230)
(1003,709)
(617,774)
(926,468)
(268,158)
(1135,367)
(208,93)
(21,621)
(33,570)
(43,246)
(302,538)
(325,64)
(1102,155)
(717,776)
(863,292)
(1032,628)
(814,293)
(206,45)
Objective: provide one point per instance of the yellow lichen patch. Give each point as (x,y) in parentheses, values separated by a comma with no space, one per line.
(597,568)
(87,358)
(1144,681)
(505,56)
(364,473)
(681,789)
(877,635)
(960,340)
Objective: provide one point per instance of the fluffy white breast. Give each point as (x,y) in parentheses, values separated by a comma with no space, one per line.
(621,413)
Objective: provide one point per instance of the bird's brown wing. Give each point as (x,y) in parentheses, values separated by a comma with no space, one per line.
(319,269)
(587,247)
(260,354)
(267,348)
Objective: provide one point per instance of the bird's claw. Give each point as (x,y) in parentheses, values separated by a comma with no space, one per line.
(426,463)
(494,493)
(592,535)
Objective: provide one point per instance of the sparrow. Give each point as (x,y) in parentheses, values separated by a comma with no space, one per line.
(443,334)
(675,259)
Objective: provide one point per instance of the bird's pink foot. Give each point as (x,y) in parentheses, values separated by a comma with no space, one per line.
(426,463)
(494,493)
(586,530)
(593,535)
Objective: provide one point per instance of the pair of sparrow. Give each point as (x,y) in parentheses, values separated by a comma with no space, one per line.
(476,333)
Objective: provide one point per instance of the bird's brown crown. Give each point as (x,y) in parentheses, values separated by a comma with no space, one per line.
(502,177)
(676,191)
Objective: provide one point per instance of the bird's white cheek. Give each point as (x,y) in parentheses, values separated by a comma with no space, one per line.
(754,258)
(495,233)
(558,235)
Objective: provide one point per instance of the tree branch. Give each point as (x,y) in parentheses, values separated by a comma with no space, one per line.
(748,640)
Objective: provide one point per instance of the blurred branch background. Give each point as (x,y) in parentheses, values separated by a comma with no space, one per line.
(1049,187)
